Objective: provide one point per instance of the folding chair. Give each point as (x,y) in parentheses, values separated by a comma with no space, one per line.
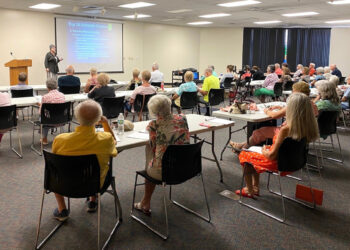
(156,84)
(140,106)
(288,86)
(278,90)
(113,106)
(179,164)
(292,156)
(228,83)
(8,122)
(189,100)
(18,93)
(216,96)
(77,177)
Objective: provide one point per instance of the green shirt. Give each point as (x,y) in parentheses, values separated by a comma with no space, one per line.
(210,82)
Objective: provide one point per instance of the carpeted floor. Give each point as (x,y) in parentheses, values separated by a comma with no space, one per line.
(232,226)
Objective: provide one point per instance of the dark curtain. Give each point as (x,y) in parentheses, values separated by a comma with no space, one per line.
(308,45)
(262,46)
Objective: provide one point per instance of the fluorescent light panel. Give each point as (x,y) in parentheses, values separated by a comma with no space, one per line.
(268,22)
(45,6)
(137,16)
(338,21)
(239,3)
(215,15)
(179,11)
(340,2)
(309,13)
(200,23)
(136,5)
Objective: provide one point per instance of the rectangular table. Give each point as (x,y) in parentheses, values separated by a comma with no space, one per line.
(193,121)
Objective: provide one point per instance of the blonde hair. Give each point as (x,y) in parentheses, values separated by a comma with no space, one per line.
(327,91)
(135,73)
(103,79)
(300,118)
(146,75)
(93,71)
(188,76)
(334,80)
(159,105)
(301,87)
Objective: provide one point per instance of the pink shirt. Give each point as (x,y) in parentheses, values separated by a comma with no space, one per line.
(270,81)
(5,99)
(141,90)
(54,96)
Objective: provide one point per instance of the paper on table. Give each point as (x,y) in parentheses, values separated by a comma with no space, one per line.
(221,121)
(138,135)
(255,149)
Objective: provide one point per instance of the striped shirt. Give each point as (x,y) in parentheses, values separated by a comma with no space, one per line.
(54,96)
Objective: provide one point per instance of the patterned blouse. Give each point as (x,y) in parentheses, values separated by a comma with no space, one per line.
(166,131)
(270,81)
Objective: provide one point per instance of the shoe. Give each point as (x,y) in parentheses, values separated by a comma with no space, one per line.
(61,216)
(44,142)
(244,194)
(138,207)
(91,206)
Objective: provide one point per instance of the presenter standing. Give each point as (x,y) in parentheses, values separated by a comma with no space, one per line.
(51,63)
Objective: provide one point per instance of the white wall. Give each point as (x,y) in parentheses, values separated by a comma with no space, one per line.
(339,51)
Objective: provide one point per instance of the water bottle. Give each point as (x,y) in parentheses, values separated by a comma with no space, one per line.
(162,86)
(120,129)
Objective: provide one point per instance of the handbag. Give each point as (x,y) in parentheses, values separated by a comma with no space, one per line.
(238,108)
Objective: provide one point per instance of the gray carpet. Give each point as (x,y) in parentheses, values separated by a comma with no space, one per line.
(232,226)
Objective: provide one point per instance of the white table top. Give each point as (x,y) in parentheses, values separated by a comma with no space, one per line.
(128,93)
(193,121)
(313,92)
(257,83)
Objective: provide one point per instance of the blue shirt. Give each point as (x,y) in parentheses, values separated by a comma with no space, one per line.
(320,77)
(187,87)
(68,80)
(345,105)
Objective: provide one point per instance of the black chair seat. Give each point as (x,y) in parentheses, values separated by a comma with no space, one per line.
(144,174)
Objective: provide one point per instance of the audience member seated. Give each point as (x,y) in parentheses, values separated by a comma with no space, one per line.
(166,129)
(285,76)
(5,100)
(276,112)
(278,69)
(54,96)
(135,81)
(305,76)
(335,71)
(210,82)
(327,73)
(247,73)
(257,74)
(69,79)
(346,96)
(92,81)
(229,74)
(22,78)
(188,86)
(319,75)
(101,90)
(85,141)
(145,89)
(298,72)
(285,65)
(312,69)
(213,72)
(327,98)
(268,85)
(300,124)
(156,75)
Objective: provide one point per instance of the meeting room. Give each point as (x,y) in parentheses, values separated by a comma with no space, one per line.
(132,124)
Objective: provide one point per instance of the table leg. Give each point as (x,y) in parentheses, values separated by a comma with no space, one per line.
(228,141)
(213,152)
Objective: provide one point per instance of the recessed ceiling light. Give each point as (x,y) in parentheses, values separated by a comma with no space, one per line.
(268,22)
(136,5)
(338,21)
(310,13)
(340,2)
(137,16)
(200,23)
(45,6)
(215,15)
(179,11)
(238,3)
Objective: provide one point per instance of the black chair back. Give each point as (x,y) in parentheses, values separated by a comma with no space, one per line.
(8,118)
(228,82)
(327,122)
(56,113)
(289,85)
(216,96)
(156,84)
(181,163)
(292,155)
(113,106)
(278,89)
(342,80)
(91,87)
(69,90)
(16,93)
(140,103)
(188,100)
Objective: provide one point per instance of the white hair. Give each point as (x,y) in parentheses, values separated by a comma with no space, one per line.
(70,69)
(312,64)
(334,80)
(320,70)
(327,69)
(88,113)
(209,70)
(155,66)
(159,105)
(51,84)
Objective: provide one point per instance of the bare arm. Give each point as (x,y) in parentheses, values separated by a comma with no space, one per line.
(273,153)
(276,114)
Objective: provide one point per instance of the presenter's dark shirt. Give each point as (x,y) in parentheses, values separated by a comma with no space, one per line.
(99,94)
(337,72)
(68,80)
(51,62)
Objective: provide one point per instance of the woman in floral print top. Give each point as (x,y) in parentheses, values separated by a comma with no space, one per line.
(166,130)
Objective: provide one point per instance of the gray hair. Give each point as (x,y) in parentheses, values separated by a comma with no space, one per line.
(300,65)
(52,46)
(320,70)
(159,105)
(327,91)
(209,70)
(312,64)
(327,69)
(212,67)
(334,80)
(70,69)
(88,113)
(155,65)
(51,84)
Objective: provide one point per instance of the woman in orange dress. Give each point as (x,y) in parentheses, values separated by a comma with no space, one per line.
(300,123)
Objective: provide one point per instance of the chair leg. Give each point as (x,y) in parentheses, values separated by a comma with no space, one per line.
(33,145)
(20,155)
(341,153)
(190,210)
(98,219)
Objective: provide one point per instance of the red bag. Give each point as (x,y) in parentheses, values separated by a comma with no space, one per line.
(304,193)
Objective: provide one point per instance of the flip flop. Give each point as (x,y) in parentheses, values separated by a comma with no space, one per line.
(244,194)
(138,207)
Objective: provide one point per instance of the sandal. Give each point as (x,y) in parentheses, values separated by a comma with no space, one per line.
(244,194)
(44,142)
(234,148)
(138,207)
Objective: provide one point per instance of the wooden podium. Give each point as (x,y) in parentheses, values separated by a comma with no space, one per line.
(16,67)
